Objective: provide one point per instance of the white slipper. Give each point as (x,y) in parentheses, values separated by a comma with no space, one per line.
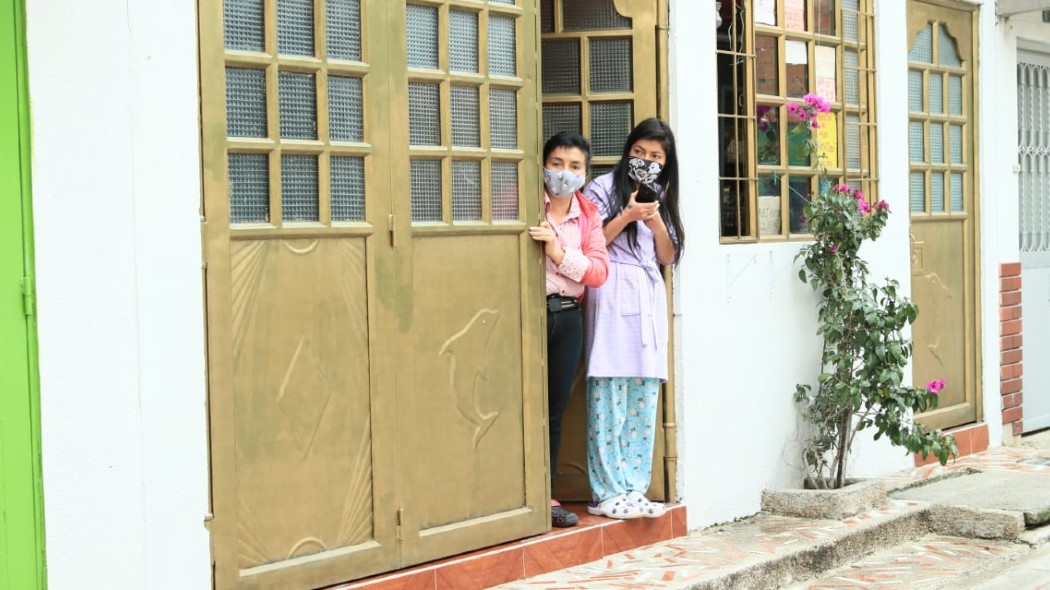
(618,507)
(649,509)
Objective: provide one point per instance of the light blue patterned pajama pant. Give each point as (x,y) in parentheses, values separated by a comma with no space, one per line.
(621,428)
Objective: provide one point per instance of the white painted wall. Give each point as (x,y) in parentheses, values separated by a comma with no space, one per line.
(745,323)
(113,87)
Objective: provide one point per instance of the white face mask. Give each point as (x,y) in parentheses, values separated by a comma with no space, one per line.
(562,183)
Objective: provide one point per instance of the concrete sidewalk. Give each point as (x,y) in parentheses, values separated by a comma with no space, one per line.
(903,545)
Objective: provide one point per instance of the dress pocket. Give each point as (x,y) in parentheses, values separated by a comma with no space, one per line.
(629,296)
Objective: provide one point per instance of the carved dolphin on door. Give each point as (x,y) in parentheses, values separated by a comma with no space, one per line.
(467,353)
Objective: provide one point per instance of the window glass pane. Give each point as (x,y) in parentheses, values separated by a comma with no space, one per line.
(851,76)
(344,108)
(585,15)
(936,93)
(795,15)
(508,2)
(769,213)
(936,192)
(798,196)
(502,47)
(348,188)
(955,95)
(766,12)
(463,41)
(797,136)
(297,95)
(611,123)
(916,142)
(826,66)
(936,143)
(249,188)
(768,134)
(546,16)
(914,91)
(243,27)
(422,36)
(947,52)
(956,179)
(824,16)
(796,68)
(955,143)
(503,118)
(766,65)
(466,131)
(917,192)
(561,117)
(425,181)
(849,19)
(731,78)
(245,102)
(299,201)
(561,66)
(424,114)
(344,29)
(504,191)
(734,209)
(853,142)
(466,191)
(295,27)
(922,47)
(611,65)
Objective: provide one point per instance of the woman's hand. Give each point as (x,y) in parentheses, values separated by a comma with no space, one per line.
(545,233)
(635,211)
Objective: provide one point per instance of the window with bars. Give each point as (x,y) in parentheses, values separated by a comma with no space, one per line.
(463,111)
(296,137)
(771,53)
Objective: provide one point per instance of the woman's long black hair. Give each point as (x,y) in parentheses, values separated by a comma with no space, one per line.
(623,186)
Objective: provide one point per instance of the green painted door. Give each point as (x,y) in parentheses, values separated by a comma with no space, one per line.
(21,504)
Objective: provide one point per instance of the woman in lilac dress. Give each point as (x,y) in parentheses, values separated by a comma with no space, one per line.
(625,334)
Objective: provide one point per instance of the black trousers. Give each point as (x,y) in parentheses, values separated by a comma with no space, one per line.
(564,346)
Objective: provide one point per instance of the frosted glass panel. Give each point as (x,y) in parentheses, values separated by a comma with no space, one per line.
(425,181)
(957,191)
(504,191)
(243,28)
(463,41)
(955,143)
(955,106)
(297,94)
(922,47)
(295,27)
(503,118)
(853,141)
(546,16)
(917,192)
(249,188)
(947,52)
(245,102)
(916,137)
(466,131)
(561,66)
(611,65)
(851,76)
(583,15)
(502,46)
(466,191)
(344,29)
(936,143)
(936,192)
(299,200)
(611,123)
(348,188)
(561,117)
(424,116)
(936,93)
(915,91)
(344,108)
(849,20)
(422,36)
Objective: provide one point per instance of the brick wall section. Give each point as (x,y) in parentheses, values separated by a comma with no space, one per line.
(1011,366)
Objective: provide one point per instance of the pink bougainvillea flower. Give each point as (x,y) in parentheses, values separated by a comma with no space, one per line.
(884,206)
(814,124)
(833,248)
(819,104)
(842,188)
(858,194)
(864,207)
(796,113)
(935,386)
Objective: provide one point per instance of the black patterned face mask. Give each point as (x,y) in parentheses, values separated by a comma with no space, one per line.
(643,171)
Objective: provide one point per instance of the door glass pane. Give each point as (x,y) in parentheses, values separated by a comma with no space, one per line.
(917,186)
(546,16)
(798,196)
(466,131)
(422,25)
(502,47)
(851,76)
(466,191)
(766,65)
(584,15)
(504,191)
(425,181)
(344,108)
(914,91)
(936,192)
(243,28)
(796,67)
(561,66)
(299,188)
(795,15)
(955,95)
(424,116)
(348,188)
(956,179)
(853,142)
(916,139)
(824,16)
(295,27)
(503,118)
(947,52)
(611,123)
(936,143)
(611,65)
(463,41)
(936,93)
(955,143)
(245,102)
(922,47)
(849,19)
(344,29)
(561,117)
(768,134)
(297,96)
(249,188)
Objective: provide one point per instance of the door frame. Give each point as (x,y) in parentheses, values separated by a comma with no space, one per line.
(21,492)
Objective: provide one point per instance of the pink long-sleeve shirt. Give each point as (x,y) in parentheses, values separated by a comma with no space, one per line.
(586,261)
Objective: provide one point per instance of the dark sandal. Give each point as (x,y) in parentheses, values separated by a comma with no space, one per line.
(562,518)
